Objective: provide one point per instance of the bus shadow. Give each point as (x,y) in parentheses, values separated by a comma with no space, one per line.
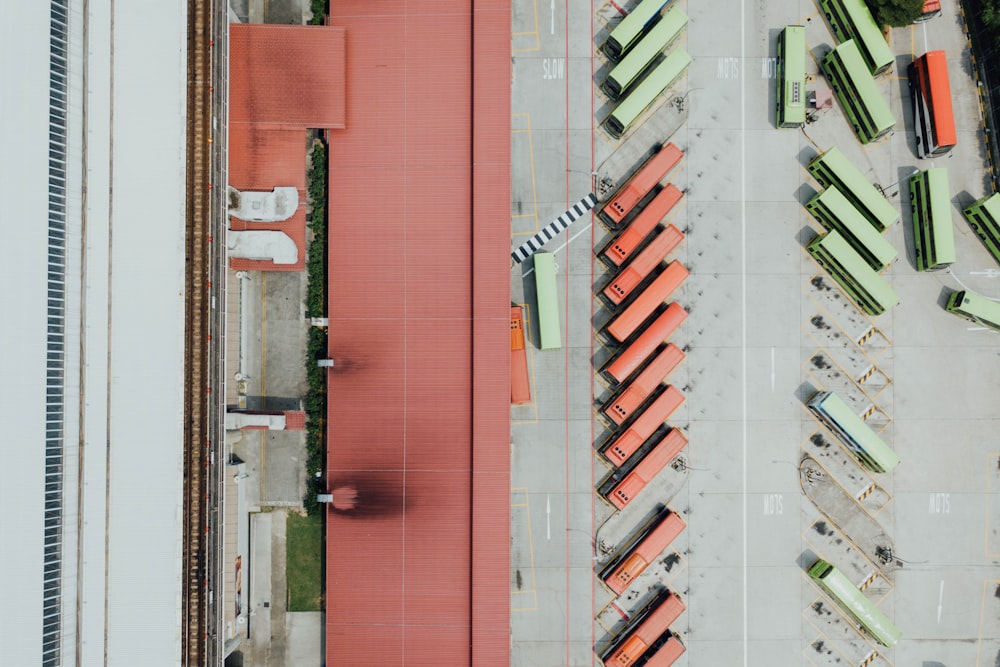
(806,559)
(806,155)
(943,296)
(806,192)
(806,235)
(901,191)
(901,70)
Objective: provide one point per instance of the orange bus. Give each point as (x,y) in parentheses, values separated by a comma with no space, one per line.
(647,260)
(642,182)
(618,450)
(646,628)
(933,116)
(666,654)
(520,387)
(623,245)
(621,407)
(633,483)
(656,293)
(628,359)
(642,550)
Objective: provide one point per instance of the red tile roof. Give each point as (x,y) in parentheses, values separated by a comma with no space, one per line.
(287,75)
(418,399)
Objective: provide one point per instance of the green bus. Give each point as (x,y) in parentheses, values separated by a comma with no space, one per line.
(863,104)
(984,218)
(933,236)
(631,29)
(833,168)
(659,79)
(975,307)
(638,59)
(851,430)
(791,97)
(862,610)
(852,20)
(835,212)
(858,280)
(550,336)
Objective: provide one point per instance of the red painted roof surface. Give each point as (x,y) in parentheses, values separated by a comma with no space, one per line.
(282,74)
(418,400)
(262,158)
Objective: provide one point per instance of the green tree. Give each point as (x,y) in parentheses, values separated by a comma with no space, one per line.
(896,13)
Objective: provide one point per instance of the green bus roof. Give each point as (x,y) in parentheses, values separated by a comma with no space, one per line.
(856,89)
(548,301)
(652,45)
(643,95)
(859,273)
(851,19)
(833,408)
(833,168)
(835,211)
(854,602)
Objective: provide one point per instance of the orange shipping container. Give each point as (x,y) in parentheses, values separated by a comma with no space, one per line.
(630,358)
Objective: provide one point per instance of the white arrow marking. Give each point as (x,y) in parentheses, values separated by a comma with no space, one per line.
(940,600)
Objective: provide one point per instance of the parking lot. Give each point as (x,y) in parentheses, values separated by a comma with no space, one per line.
(764,488)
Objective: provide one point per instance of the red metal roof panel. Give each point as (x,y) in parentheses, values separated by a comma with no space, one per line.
(412,212)
(264,157)
(288,75)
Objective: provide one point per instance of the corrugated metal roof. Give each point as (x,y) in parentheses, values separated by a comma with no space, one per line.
(289,75)
(262,157)
(418,399)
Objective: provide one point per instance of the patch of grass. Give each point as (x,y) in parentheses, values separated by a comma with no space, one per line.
(304,562)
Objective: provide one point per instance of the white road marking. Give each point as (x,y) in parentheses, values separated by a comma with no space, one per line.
(570,239)
(772,370)
(743,342)
(548,518)
(552,6)
(940,601)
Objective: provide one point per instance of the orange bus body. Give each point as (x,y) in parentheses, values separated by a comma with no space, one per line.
(619,250)
(933,92)
(645,553)
(646,634)
(667,654)
(651,377)
(650,258)
(637,187)
(656,292)
(659,411)
(623,364)
(627,489)
(520,387)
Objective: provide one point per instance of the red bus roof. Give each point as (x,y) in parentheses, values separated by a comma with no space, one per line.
(632,357)
(656,372)
(645,553)
(657,412)
(650,466)
(939,96)
(622,247)
(639,185)
(418,409)
(648,300)
(652,628)
(931,6)
(650,258)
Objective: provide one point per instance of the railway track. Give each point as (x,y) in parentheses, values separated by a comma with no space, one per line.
(197,381)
